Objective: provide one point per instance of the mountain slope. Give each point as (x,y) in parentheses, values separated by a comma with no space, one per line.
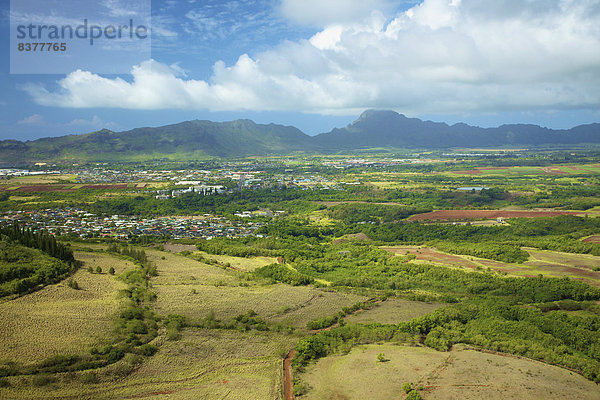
(188,139)
(199,139)
(390,129)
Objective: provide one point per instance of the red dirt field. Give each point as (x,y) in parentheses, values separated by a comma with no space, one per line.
(486,214)
(106,186)
(592,239)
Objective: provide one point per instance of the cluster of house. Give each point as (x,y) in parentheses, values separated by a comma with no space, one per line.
(194,187)
(77,222)
(7,173)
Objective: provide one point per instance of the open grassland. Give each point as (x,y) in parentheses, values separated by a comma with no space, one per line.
(459,374)
(195,289)
(583,261)
(38,179)
(545,262)
(246,264)
(579,169)
(174,269)
(393,311)
(281,304)
(203,364)
(321,304)
(59,319)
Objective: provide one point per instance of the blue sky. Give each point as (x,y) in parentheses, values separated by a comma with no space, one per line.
(317,64)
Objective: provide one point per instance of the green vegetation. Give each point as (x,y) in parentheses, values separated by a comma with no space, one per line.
(340,273)
(281,273)
(23,269)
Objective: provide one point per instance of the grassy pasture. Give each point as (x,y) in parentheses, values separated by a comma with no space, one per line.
(459,374)
(545,262)
(59,319)
(566,170)
(203,364)
(41,179)
(583,261)
(194,289)
(282,304)
(393,311)
(174,269)
(246,264)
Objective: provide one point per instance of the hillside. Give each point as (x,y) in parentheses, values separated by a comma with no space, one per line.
(390,129)
(187,140)
(206,139)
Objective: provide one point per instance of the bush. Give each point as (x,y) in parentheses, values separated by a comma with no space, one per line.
(89,377)
(72,283)
(148,350)
(42,380)
(58,363)
(98,269)
(413,395)
(111,271)
(114,355)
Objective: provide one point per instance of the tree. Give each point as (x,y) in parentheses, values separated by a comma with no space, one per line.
(111,270)
(413,395)
(99,269)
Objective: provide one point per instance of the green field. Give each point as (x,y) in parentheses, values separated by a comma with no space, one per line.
(341,256)
(393,311)
(195,289)
(579,169)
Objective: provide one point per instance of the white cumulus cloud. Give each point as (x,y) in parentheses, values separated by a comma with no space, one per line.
(440,56)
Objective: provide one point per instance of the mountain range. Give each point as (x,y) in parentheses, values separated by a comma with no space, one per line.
(202,139)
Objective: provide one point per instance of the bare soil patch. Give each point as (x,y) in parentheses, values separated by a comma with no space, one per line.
(592,239)
(353,236)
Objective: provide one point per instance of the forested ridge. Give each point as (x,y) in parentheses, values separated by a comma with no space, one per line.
(29,259)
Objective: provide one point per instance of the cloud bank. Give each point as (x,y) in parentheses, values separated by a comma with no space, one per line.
(439,56)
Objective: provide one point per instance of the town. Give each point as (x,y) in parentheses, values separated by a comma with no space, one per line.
(78,223)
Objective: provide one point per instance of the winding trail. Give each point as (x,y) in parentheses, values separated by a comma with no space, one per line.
(288,386)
